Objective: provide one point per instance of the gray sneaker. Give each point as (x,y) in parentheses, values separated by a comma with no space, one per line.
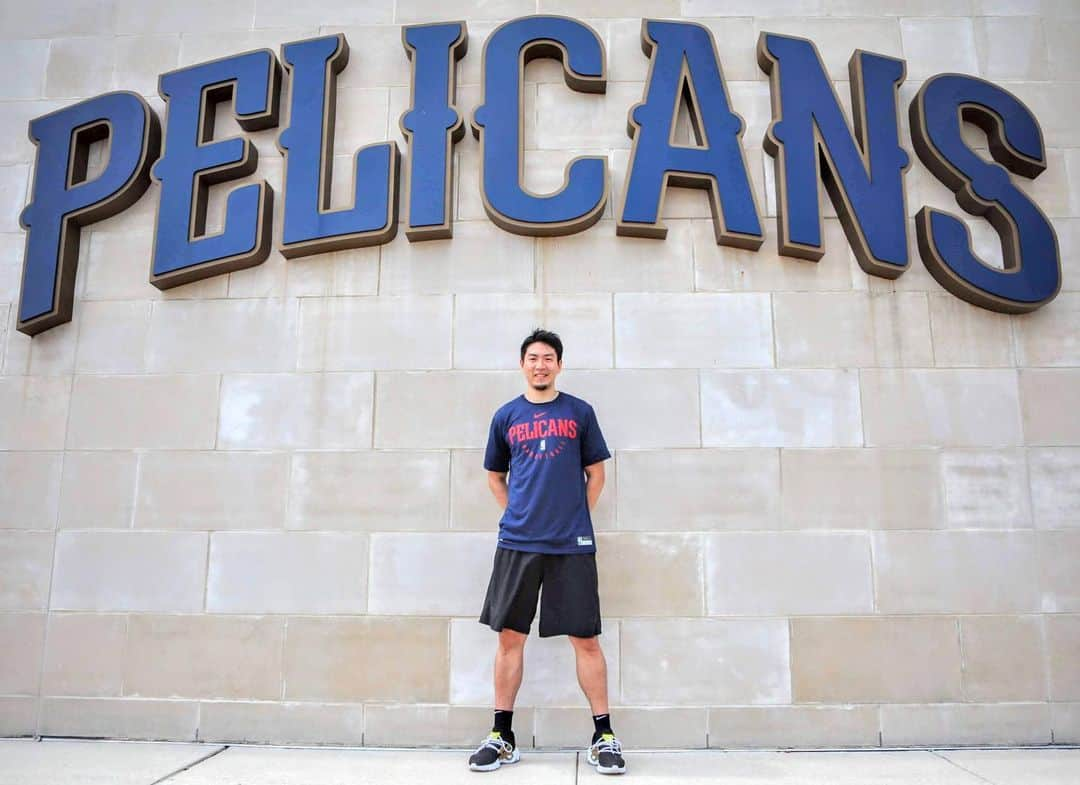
(493,753)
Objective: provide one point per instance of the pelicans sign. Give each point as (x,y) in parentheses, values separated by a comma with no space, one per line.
(811,140)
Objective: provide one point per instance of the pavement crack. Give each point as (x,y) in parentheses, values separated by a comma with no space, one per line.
(191,765)
(976,775)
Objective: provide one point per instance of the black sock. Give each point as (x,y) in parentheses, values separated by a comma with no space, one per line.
(503,722)
(602,723)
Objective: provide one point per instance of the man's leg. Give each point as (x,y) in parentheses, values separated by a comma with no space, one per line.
(591,672)
(509,667)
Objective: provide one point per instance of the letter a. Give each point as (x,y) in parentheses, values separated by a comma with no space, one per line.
(684,65)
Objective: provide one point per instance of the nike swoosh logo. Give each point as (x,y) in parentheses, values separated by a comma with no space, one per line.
(538,415)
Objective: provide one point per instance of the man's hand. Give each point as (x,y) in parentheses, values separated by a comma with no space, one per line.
(497,483)
(594,483)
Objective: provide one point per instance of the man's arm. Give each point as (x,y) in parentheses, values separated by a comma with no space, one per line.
(497,483)
(594,482)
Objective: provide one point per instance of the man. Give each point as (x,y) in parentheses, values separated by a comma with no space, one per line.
(552,447)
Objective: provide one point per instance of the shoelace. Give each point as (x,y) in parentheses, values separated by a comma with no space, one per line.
(495,743)
(608,745)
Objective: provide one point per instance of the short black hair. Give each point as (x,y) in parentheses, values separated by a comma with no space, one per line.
(540,335)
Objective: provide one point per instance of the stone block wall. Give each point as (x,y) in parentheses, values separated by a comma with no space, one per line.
(842,510)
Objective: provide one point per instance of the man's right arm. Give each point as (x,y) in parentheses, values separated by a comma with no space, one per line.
(497,484)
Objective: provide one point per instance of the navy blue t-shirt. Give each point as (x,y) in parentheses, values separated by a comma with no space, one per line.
(545,447)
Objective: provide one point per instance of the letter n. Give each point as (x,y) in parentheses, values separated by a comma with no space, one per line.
(684,66)
(810,141)
(64,200)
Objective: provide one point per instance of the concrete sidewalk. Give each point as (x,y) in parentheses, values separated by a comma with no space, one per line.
(66,762)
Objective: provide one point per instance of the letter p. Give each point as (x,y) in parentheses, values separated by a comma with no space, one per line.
(64,200)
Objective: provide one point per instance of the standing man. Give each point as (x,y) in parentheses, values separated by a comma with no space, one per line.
(552,447)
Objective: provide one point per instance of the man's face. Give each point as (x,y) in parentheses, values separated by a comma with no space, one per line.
(540,365)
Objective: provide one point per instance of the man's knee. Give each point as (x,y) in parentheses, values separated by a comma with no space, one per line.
(511,641)
(587,646)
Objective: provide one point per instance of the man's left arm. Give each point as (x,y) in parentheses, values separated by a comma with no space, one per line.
(594,482)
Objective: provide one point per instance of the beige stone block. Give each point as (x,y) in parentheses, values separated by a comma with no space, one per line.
(84,655)
(489,328)
(129,571)
(622,397)
(472,506)
(549,677)
(374,333)
(1052,103)
(369,491)
(934,46)
(444,574)
(204,657)
(281,723)
(78,67)
(207,336)
(22,639)
(685,490)
(1003,658)
(1012,47)
(112,336)
(43,21)
(1059,553)
(650,574)
(966,725)
(965,335)
(120,718)
(1054,191)
(18,717)
(287,572)
(787,574)
(942,407)
(780,408)
(1061,37)
(11,263)
(411,11)
(134,17)
(722,268)
(1062,645)
(605,8)
(793,726)
(1055,487)
(98,490)
(1050,336)
(617,264)
(357,659)
(118,259)
(124,412)
(397,725)
(750,8)
(26,563)
(986,489)
(1065,722)
(361,119)
(956,572)
(693,330)
(33,412)
(139,59)
(27,59)
(15,146)
(1048,400)
(50,353)
(1068,232)
(638,728)
(441,408)
(13,196)
(575,119)
(843,329)
(705,661)
(344,273)
(861,489)
(750,100)
(211,490)
(279,13)
(316,410)
(835,37)
(30,492)
(376,54)
(897,659)
(480,258)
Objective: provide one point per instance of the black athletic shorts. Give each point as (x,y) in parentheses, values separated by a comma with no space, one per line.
(569,602)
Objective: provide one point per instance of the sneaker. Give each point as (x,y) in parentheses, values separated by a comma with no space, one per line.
(493,753)
(606,755)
